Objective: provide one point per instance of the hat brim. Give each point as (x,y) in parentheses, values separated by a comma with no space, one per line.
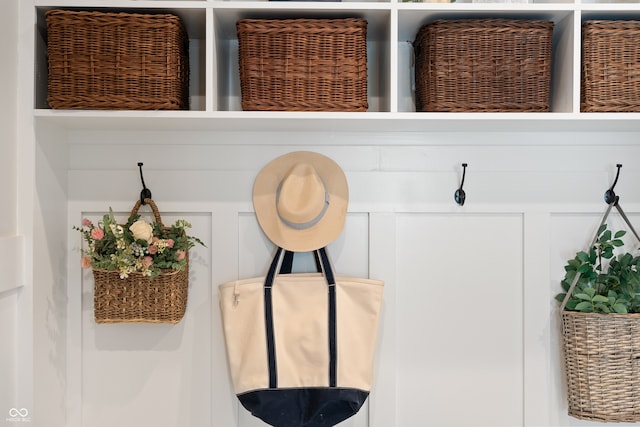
(332,222)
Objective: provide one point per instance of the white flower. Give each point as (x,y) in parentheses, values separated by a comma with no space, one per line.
(141,230)
(181,223)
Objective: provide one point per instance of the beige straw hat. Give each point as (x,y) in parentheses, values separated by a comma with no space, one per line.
(301,200)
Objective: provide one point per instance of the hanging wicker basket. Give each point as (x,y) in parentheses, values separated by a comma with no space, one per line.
(602,358)
(602,363)
(137,298)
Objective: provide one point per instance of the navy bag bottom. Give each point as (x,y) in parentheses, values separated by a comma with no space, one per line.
(303,407)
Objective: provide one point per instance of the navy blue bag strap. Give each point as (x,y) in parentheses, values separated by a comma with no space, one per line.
(268,320)
(333,327)
(287,262)
(322,261)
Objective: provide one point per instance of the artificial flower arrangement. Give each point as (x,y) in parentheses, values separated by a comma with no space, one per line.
(137,246)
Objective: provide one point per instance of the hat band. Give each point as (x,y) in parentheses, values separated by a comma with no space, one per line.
(303,225)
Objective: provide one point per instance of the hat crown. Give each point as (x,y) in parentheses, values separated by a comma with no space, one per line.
(302,198)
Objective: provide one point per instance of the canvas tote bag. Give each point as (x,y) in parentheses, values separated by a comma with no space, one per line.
(301,346)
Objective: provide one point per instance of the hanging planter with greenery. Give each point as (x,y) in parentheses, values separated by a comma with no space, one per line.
(600,309)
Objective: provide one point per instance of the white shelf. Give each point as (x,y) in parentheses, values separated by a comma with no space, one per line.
(257,121)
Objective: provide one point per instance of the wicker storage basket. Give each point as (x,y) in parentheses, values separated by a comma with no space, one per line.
(138,299)
(610,66)
(602,363)
(483,65)
(303,64)
(117,61)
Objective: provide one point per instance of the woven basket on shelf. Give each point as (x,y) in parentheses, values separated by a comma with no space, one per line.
(139,299)
(610,66)
(483,65)
(303,64)
(602,364)
(117,61)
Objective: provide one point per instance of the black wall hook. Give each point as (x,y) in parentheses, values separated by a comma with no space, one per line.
(460,195)
(145,193)
(610,195)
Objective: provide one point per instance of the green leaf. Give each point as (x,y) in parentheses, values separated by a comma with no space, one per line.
(607,253)
(584,268)
(560,297)
(583,297)
(617,243)
(590,291)
(584,306)
(582,256)
(613,281)
(619,234)
(620,308)
(625,260)
(601,229)
(571,304)
(600,298)
(572,265)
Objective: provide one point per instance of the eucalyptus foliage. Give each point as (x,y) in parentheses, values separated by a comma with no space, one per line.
(608,283)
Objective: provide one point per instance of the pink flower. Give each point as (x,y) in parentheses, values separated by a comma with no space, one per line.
(153,249)
(97,233)
(86,222)
(170,243)
(180,255)
(86,262)
(147,261)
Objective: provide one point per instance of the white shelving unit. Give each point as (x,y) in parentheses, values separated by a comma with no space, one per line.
(215,88)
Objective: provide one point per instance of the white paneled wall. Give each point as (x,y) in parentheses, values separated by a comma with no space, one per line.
(469,333)
(8,357)
(459,283)
(8,116)
(11,243)
(137,374)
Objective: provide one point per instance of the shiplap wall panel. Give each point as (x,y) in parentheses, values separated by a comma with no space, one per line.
(527,202)
(570,233)
(152,374)
(459,333)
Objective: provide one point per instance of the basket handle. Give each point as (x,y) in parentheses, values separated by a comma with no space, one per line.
(154,208)
(593,242)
